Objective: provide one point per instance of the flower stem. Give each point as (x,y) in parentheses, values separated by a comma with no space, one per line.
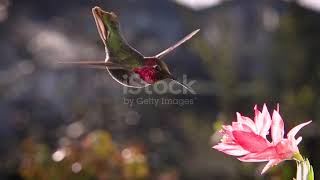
(304,170)
(297,156)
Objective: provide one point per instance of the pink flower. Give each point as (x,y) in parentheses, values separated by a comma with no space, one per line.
(247,139)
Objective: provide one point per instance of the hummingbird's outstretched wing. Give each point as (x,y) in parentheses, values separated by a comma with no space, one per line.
(116,46)
(173,47)
(98,64)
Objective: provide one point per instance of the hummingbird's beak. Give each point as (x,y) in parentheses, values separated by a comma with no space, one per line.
(181,84)
(171,77)
(166,74)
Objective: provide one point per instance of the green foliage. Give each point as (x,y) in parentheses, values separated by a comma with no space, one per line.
(95,156)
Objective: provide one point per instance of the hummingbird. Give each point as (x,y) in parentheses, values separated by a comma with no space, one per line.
(125,64)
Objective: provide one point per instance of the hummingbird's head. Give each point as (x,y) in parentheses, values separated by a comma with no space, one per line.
(153,70)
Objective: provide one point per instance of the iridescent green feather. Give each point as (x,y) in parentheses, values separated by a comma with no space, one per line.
(118,48)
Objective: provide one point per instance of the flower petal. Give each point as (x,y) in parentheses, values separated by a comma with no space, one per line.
(233,150)
(241,127)
(298,140)
(266,122)
(257,115)
(247,121)
(292,133)
(277,128)
(286,149)
(270,164)
(250,141)
(266,155)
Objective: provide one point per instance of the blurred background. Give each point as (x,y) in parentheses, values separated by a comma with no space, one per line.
(61,123)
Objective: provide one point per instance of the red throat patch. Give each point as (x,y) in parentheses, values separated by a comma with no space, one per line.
(147,73)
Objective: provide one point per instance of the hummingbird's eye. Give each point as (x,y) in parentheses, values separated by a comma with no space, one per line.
(157,67)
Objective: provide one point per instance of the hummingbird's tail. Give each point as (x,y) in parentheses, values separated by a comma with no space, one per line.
(173,47)
(103,21)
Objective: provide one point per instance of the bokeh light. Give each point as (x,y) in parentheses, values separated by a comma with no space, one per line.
(199,4)
(312,4)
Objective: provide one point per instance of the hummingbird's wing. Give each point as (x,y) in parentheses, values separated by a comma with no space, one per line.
(116,46)
(98,64)
(173,47)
